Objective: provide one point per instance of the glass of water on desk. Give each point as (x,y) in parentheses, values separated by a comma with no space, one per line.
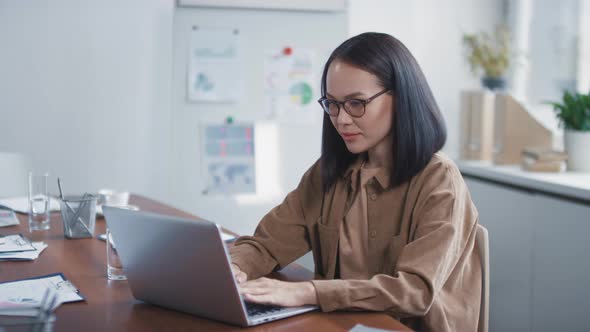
(38,202)
(114,265)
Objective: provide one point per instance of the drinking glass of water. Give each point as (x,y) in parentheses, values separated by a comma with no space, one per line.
(38,202)
(114,265)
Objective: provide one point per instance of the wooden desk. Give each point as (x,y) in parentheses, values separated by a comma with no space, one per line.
(109,305)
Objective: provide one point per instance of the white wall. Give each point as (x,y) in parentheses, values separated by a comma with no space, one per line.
(432,31)
(86,85)
(86,90)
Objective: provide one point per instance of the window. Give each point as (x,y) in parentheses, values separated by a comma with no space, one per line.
(551,44)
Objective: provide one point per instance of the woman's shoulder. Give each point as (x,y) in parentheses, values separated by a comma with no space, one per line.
(311,181)
(314,172)
(440,162)
(441,171)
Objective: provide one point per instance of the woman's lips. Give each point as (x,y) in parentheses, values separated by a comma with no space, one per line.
(349,136)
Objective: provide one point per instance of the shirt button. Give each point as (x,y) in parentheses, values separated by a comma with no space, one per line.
(373,197)
(373,234)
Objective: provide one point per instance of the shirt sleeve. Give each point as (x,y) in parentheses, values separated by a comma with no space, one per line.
(445,229)
(282,236)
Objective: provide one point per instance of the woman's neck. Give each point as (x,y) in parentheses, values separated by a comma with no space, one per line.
(378,159)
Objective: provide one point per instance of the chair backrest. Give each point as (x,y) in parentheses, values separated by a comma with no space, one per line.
(483,247)
(13,174)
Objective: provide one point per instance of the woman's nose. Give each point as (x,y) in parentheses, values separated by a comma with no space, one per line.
(344,117)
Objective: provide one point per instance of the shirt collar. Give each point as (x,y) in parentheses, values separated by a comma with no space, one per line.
(352,172)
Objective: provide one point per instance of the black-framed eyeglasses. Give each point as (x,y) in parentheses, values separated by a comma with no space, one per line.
(354,107)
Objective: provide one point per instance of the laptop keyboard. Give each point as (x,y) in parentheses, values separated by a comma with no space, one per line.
(255,309)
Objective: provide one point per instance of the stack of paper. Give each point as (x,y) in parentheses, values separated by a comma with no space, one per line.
(18,247)
(26,297)
(364,328)
(15,242)
(227,237)
(8,218)
(24,255)
(21,204)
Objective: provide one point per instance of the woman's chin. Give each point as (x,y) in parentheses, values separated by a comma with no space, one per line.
(355,148)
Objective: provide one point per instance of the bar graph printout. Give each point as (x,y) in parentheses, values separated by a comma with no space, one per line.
(228,159)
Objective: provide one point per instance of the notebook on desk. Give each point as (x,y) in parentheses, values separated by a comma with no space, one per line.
(184,265)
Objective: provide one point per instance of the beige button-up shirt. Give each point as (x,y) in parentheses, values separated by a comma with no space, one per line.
(353,246)
(424,267)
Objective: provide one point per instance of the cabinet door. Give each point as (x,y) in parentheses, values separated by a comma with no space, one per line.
(561,280)
(507,214)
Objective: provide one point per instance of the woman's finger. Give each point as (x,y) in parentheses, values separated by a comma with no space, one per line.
(262,299)
(241,277)
(262,282)
(255,291)
(259,281)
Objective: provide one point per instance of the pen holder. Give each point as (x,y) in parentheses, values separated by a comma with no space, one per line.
(79,216)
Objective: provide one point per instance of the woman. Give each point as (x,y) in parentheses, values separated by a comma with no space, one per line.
(388,217)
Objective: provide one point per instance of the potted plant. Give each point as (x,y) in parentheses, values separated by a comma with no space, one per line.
(573,113)
(489,54)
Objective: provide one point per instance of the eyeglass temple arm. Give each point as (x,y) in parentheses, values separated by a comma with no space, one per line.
(375,96)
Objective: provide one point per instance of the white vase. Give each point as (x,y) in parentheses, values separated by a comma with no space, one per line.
(577,146)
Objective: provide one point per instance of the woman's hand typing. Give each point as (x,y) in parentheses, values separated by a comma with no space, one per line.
(239,274)
(276,292)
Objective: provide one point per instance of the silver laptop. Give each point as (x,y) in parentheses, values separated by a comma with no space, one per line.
(184,265)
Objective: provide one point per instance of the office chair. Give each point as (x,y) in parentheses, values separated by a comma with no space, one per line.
(13,174)
(483,247)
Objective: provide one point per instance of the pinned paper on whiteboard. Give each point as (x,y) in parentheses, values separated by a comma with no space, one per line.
(213,70)
(290,85)
(228,160)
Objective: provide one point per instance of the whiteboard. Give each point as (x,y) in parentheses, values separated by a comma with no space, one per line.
(297,145)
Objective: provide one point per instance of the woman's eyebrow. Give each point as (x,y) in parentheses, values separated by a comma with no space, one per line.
(348,96)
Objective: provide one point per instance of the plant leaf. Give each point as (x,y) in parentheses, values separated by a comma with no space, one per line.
(574,111)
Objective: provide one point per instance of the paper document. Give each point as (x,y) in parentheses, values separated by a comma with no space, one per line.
(24,297)
(21,204)
(227,237)
(364,328)
(24,255)
(8,218)
(15,242)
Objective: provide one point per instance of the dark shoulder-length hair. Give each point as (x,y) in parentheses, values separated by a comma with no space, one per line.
(418,128)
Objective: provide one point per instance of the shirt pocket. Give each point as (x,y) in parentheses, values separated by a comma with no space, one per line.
(328,237)
(393,251)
